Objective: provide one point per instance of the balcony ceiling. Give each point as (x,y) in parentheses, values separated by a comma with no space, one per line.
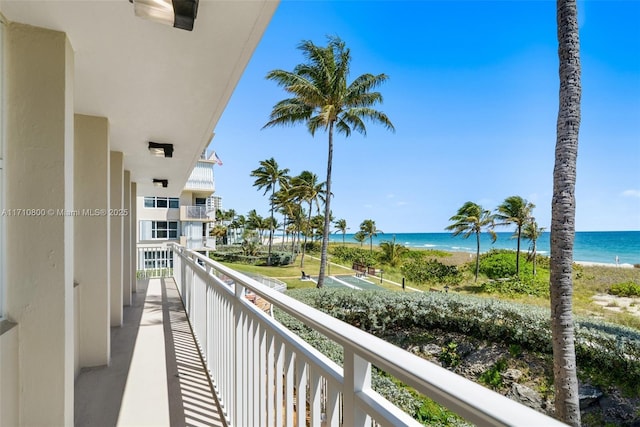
(153,82)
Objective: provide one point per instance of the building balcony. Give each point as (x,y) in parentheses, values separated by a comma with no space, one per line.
(195,213)
(244,368)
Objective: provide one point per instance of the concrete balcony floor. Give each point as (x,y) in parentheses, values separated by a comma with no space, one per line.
(156,377)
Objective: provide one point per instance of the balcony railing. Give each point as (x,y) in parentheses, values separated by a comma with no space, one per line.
(194,213)
(262,371)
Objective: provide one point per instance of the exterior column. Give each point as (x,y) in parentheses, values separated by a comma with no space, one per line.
(39,188)
(91,195)
(133,215)
(116,199)
(126,240)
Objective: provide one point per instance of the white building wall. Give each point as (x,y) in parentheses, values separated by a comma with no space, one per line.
(116,202)
(91,241)
(39,267)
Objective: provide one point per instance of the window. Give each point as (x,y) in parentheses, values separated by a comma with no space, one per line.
(150,230)
(161,202)
(158,259)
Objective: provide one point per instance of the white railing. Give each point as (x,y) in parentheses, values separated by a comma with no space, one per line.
(193,213)
(261,371)
(269,282)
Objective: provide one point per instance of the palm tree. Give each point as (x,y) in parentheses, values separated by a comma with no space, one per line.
(322,99)
(284,201)
(341,226)
(368,227)
(515,210)
(567,407)
(532,232)
(472,219)
(360,237)
(268,176)
(392,252)
(307,189)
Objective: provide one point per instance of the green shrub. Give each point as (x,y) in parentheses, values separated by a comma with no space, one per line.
(350,255)
(625,289)
(609,350)
(449,355)
(492,377)
(498,264)
(430,271)
(525,285)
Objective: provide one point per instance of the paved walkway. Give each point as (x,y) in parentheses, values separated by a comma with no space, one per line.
(156,377)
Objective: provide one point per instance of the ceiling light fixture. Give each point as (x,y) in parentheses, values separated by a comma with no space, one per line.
(176,13)
(164,183)
(161,150)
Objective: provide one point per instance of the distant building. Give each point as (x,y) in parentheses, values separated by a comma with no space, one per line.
(186,219)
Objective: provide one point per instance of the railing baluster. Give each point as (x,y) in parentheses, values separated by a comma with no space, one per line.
(332,405)
(315,395)
(279,391)
(301,391)
(288,386)
(269,389)
(263,378)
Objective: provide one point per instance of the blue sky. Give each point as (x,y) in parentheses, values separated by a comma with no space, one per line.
(473,95)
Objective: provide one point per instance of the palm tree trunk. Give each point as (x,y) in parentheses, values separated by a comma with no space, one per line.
(327,211)
(477,255)
(534,257)
(518,252)
(567,408)
(273,190)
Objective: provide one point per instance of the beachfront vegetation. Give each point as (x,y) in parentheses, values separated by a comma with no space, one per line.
(322,99)
(369,230)
(532,232)
(473,219)
(268,176)
(563,212)
(625,289)
(305,188)
(515,210)
(341,227)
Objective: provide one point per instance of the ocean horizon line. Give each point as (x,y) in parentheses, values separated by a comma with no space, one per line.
(607,247)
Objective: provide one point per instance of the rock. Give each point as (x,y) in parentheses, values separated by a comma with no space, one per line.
(512,375)
(527,396)
(588,395)
(479,361)
(432,349)
(616,409)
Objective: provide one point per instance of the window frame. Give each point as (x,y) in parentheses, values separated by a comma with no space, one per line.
(153,202)
(170,230)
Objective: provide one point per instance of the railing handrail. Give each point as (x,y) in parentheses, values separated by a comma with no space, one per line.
(468,399)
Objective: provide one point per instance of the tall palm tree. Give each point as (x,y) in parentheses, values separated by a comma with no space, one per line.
(368,227)
(283,200)
(532,232)
(341,226)
(567,407)
(515,210)
(322,99)
(268,176)
(472,219)
(307,189)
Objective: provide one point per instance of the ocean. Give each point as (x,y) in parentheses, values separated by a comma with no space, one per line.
(589,246)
